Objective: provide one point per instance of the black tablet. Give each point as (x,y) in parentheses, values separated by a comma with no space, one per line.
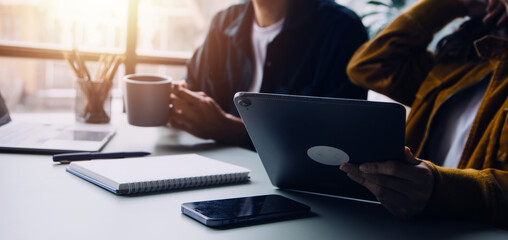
(303,140)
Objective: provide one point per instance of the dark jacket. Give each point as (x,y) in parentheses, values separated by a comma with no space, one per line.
(308,57)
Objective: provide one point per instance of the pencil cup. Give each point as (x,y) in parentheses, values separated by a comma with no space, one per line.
(93,101)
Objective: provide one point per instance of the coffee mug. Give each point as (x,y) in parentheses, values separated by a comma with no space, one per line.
(147,99)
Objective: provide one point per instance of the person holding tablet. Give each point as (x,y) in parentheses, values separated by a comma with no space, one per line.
(459,111)
(298,47)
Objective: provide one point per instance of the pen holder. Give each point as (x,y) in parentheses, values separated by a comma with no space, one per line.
(93,101)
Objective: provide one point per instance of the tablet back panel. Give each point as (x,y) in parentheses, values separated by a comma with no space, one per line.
(283,128)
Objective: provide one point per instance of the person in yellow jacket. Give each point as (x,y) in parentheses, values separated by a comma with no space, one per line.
(459,111)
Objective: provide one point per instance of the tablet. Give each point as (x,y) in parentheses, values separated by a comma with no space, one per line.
(302,141)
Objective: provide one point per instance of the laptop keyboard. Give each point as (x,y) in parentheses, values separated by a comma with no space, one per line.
(13,134)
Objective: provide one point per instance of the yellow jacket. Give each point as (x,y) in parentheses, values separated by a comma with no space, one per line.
(397,63)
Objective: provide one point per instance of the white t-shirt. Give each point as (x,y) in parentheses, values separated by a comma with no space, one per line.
(261,37)
(453,121)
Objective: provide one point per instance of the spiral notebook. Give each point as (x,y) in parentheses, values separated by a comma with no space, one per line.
(160,173)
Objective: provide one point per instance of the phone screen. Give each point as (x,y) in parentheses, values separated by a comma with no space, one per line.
(242,210)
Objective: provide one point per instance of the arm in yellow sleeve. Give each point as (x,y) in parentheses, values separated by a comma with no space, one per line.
(471,193)
(396,61)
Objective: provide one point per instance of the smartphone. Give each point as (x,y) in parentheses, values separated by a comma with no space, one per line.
(227,212)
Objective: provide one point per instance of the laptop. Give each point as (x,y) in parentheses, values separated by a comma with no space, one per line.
(37,137)
(302,141)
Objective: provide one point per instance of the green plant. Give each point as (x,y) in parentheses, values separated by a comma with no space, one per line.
(381,13)
(394,3)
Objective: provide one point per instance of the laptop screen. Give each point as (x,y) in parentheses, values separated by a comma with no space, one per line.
(4,113)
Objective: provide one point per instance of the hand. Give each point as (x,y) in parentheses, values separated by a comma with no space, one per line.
(475,8)
(488,10)
(179,83)
(195,112)
(496,10)
(404,188)
(201,116)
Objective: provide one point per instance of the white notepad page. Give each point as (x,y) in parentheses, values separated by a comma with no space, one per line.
(187,168)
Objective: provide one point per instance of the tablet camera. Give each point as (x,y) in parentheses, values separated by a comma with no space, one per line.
(244,102)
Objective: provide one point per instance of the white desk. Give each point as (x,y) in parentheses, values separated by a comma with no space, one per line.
(39,200)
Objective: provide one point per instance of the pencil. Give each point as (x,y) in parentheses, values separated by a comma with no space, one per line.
(109,61)
(99,65)
(82,66)
(116,63)
(69,60)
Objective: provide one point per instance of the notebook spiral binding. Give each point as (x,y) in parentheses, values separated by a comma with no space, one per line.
(170,184)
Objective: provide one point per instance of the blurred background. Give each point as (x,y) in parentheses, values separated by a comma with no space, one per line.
(156,36)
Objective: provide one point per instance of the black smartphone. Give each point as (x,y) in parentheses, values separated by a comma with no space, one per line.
(227,212)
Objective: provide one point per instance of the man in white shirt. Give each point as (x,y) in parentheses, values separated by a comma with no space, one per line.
(298,47)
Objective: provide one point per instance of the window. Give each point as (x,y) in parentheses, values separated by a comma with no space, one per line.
(92,24)
(173,28)
(167,26)
(33,76)
(157,37)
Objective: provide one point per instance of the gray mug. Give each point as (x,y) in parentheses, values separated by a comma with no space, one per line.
(147,99)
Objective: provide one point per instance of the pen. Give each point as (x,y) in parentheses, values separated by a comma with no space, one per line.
(69,157)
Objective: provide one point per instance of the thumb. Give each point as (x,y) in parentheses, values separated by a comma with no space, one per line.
(182,83)
(409,157)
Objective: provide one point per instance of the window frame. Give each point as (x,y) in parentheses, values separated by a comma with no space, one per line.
(131,57)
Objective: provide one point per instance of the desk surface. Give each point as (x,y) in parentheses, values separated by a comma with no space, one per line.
(39,200)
